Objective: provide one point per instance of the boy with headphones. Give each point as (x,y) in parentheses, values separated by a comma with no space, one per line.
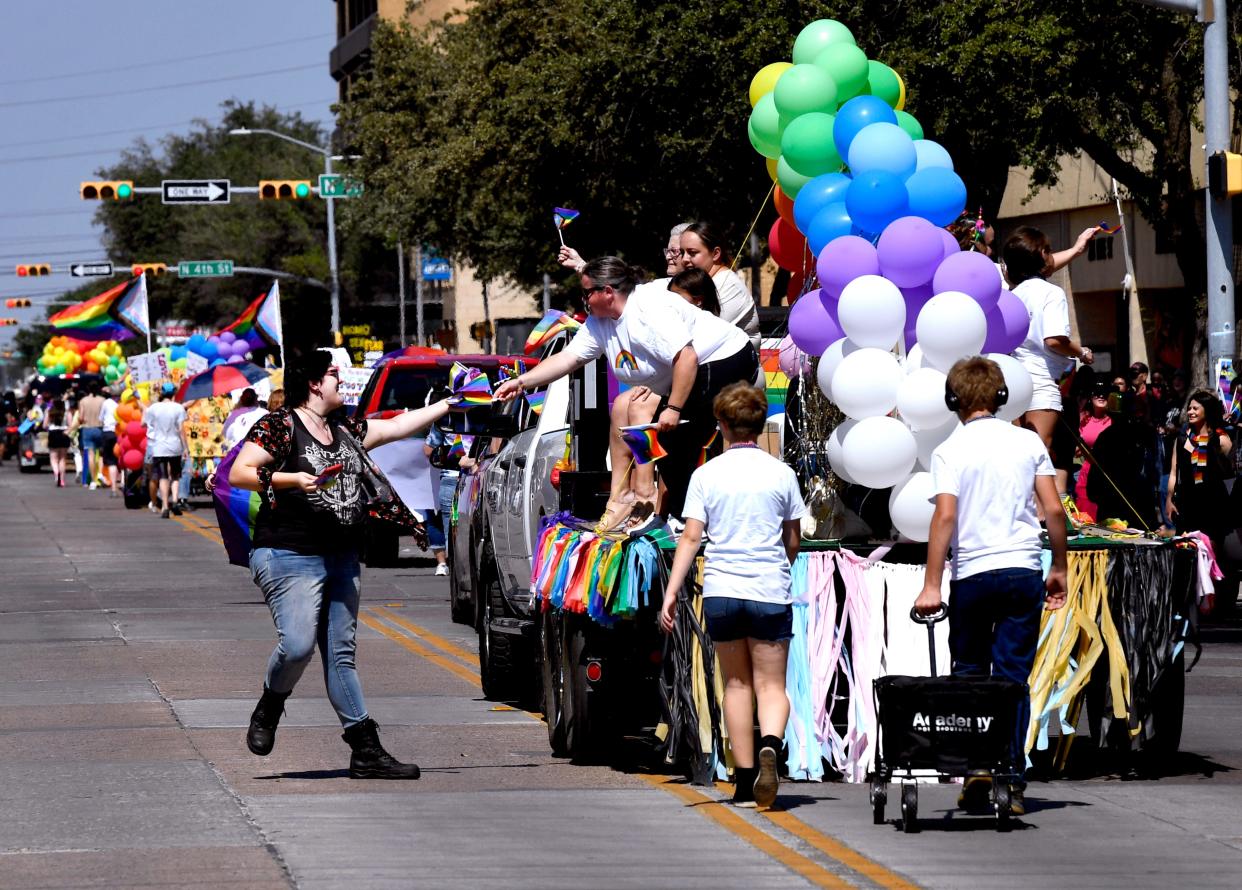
(986,477)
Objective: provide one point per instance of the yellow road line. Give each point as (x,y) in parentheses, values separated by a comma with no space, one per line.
(198,530)
(725,817)
(417,648)
(433,638)
(210,526)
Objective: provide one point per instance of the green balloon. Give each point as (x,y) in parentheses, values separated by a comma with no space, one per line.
(790,180)
(807,146)
(910,124)
(765,128)
(884,83)
(804,89)
(847,65)
(816,36)
(111,374)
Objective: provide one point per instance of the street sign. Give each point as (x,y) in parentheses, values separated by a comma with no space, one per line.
(90,270)
(334,185)
(205,268)
(437,269)
(195,191)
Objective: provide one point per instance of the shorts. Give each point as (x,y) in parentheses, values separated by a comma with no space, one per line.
(167,467)
(1047,395)
(730,619)
(107,447)
(58,439)
(90,438)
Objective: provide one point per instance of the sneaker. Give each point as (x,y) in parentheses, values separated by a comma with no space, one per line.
(164,513)
(768,780)
(153,508)
(93,486)
(441,569)
(1017,801)
(976,792)
(744,787)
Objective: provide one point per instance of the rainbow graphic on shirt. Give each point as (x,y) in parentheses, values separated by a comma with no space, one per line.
(643,443)
(625,361)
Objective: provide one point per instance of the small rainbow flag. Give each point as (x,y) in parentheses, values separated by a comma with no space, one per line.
(1106,229)
(461,446)
(625,361)
(536,400)
(260,324)
(516,370)
(469,391)
(549,326)
(116,314)
(459,375)
(707,447)
(643,443)
(563,216)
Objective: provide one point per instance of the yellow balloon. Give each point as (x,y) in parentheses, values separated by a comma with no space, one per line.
(901,97)
(770,163)
(765,81)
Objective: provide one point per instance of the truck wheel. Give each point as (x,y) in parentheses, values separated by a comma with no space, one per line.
(553,673)
(382,547)
(462,611)
(496,656)
(586,717)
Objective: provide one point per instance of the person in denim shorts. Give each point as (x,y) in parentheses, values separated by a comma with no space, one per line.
(750,505)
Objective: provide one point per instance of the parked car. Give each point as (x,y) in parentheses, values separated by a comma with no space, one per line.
(32,453)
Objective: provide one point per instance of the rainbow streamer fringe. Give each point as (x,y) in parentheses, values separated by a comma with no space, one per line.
(643,443)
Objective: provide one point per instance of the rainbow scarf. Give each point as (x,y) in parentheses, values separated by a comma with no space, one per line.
(563,216)
(549,326)
(625,361)
(117,314)
(643,443)
(260,324)
(1198,459)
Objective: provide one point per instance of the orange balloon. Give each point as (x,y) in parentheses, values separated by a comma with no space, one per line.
(92,367)
(784,205)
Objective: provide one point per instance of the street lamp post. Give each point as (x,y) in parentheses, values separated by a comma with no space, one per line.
(327,169)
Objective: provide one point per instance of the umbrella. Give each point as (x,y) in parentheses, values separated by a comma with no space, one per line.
(220,380)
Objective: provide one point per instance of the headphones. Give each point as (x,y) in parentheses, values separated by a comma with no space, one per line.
(954,403)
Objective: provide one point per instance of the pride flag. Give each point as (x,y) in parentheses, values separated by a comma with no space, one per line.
(236,511)
(116,314)
(260,325)
(461,446)
(643,443)
(549,326)
(536,400)
(563,216)
(513,372)
(470,388)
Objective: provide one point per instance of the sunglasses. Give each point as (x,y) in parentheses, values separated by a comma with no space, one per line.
(587,291)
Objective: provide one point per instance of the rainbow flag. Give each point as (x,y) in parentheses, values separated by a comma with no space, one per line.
(563,216)
(236,511)
(536,400)
(776,384)
(470,387)
(1105,228)
(116,314)
(549,326)
(707,447)
(461,446)
(508,372)
(260,325)
(643,443)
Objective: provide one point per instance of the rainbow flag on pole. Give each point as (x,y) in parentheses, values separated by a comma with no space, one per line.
(563,216)
(116,314)
(549,326)
(643,443)
(260,324)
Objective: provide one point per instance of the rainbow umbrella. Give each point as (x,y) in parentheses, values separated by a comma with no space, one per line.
(220,380)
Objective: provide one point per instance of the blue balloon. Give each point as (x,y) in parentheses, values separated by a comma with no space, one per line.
(936,194)
(875,199)
(830,223)
(208,350)
(859,112)
(884,147)
(816,195)
(932,154)
(195,343)
(215,361)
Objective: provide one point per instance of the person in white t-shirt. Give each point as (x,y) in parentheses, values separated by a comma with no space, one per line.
(751,508)
(675,356)
(1048,352)
(987,477)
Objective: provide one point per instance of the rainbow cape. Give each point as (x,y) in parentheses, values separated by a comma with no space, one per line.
(116,314)
(260,325)
(563,216)
(549,326)
(643,443)
(236,511)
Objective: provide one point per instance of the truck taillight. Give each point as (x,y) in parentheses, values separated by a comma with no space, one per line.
(556,478)
(29,454)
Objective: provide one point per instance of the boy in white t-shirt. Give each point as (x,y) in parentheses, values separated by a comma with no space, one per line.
(986,478)
(751,507)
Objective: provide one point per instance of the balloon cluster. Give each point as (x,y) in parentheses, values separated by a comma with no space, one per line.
(65,355)
(220,349)
(131,435)
(863,198)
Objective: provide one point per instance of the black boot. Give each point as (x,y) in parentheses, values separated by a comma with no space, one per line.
(263,722)
(370,760)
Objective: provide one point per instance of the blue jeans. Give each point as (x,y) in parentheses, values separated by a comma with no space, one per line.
(90,438)
(994,629)
(314,601)
(448,490)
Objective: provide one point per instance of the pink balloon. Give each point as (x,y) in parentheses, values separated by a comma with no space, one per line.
(842,260)
(971,273)
(792,360)
(1008,324)
(811,325)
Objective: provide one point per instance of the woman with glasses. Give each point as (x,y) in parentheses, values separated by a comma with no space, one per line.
(318,487)
(675,356)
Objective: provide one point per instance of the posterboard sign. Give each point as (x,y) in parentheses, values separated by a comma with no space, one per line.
(353,381)
(204,426)
(146,367)
(195,363)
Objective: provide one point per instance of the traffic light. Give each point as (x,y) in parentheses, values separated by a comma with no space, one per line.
(284,189)
(16,304)
(33,270)
(154,270)
(107,191)
(1224,174)
(6,322)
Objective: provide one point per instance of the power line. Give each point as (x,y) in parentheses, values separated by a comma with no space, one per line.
(34,159)
(51,239)
(166,86)
(35,213)
(153,64)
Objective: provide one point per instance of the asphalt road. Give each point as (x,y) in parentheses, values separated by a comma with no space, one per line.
(131,655)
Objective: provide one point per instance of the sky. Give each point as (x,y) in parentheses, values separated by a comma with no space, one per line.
(80,80)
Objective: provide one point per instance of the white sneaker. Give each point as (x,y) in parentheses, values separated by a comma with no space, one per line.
(441,569)
(93,486)
(153,508)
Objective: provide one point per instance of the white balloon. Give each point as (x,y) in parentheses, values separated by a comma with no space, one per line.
(836,441)
(1018,381)
(920,399)
(879,452)
(914,359)
(865,383)
(872,311)
(829,361)
(927,440)
(951,325)
(910,506)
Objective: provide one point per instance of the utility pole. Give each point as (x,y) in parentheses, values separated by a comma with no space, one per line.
(400,295)
(418,294)
(547,292)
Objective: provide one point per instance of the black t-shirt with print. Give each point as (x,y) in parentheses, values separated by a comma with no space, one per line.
(329,520)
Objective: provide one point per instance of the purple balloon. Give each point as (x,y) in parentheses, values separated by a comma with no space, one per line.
(950,243)
(909,250)
(1008,324)
(971,273)
(227,337)
(235,360)
(843,260)
(916,299)
(811,325)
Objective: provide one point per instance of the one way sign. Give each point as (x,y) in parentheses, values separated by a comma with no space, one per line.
(90,270)
(195,191)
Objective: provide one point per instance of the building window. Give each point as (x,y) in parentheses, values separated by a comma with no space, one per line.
(1099,249)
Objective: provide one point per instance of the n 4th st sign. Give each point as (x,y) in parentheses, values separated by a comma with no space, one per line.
(333,185)
(205,268)
(195,191)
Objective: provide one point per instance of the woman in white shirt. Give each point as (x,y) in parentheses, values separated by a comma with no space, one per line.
(675,356)
(703,248)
